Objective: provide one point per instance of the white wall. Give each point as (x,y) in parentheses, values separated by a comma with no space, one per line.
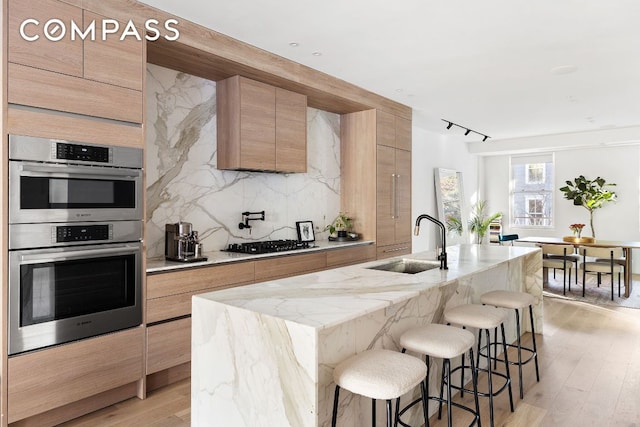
(431,151)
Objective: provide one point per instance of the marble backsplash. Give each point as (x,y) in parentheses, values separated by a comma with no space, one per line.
(183,182)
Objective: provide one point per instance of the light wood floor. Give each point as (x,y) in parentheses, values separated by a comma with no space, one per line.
(589,376)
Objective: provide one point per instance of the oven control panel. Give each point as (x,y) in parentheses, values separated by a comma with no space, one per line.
(82,233)
(87,153)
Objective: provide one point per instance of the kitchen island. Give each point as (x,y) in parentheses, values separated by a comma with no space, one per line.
(263,355)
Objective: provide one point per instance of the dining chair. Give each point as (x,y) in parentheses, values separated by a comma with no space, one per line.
(605,262)
(559,257)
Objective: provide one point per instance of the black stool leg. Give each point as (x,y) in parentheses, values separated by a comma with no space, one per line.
(535,348)
(519,353)
(447,363)
(335,406)
(506,364)
(489,375)
(474,381)
(442,390)
(389,411)
(373,412)
(425,402)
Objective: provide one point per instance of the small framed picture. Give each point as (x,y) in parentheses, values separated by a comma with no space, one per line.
(305,231)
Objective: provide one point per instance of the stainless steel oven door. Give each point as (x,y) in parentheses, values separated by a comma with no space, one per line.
(59,295)
(49,192)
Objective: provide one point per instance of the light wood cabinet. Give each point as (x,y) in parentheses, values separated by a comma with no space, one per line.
(260,127)
(274,268)
(92,77)
(380,201)
(47,379)
(168,345)
(348,256)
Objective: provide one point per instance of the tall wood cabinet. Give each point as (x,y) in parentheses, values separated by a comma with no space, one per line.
(260,127)
(376,149)
(95,77)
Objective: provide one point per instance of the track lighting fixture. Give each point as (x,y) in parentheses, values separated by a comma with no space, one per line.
(450,124)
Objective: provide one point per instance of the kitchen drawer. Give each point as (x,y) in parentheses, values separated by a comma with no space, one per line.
(389,251)
(47,379)
(346,256)
(172,306)
(291,265)
(168,345)
(196,280)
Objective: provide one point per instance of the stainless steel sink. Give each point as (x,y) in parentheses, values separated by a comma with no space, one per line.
(408,266)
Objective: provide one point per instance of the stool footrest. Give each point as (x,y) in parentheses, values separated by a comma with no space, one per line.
(437,399)
(511,362)
(507,381)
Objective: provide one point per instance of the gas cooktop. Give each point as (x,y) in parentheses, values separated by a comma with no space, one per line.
(268,246)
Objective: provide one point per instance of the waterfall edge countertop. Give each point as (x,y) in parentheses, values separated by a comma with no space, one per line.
(159,264)
(263,354)
(327,298)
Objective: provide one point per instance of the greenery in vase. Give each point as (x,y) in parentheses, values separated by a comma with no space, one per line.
(341,223)
(590,194)
(480,220)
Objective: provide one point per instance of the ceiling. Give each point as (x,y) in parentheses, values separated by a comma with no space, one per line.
(504,68)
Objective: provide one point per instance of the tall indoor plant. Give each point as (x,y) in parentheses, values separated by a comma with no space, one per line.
(590,194)
(480,220)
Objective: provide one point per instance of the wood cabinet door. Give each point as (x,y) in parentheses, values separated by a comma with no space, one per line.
(291,131)
(403,189)
(113,61)
(403,133)
(385,194)
(257,125)
(385,129)
(63,56)
(168,344)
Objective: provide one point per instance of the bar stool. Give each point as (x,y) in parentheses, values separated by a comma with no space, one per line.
(380,374)
(516,301)
(443,342)
(483,318)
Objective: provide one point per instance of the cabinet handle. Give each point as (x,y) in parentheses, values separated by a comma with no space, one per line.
(397,200)
(393,195)
(403,248)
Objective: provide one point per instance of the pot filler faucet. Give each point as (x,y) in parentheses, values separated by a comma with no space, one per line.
(443,231)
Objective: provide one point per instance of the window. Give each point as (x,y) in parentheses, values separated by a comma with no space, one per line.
(535,173)
(532,191)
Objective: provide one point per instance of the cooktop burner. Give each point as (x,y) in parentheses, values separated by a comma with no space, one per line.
(267,246)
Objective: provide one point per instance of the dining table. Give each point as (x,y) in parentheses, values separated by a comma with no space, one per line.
(627,247)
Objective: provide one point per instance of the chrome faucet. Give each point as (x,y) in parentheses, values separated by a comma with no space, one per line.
(443,254)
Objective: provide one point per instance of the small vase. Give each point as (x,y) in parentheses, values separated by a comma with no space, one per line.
(342,233)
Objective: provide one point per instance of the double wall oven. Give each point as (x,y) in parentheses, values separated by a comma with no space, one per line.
(75,241)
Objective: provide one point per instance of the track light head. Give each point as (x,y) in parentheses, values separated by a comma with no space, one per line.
(449,125)
(485,138)
(467,132)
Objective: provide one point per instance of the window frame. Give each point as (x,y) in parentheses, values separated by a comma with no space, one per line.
(545,193)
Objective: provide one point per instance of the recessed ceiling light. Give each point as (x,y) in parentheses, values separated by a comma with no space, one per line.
(399,90)
(294,44)
(316,53)
(564,69)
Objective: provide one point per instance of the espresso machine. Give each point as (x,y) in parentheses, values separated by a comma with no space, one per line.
(181,243)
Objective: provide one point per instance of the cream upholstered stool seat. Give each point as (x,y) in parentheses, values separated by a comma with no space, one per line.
(443,342)
(484,318)
(517,301)
(379,374)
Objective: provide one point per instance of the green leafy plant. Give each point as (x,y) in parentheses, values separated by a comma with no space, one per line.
(590,194)
(341,223)
(480,220)
(454,225)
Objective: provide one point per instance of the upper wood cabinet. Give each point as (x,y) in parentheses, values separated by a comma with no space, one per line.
(260,127)
(393,131)
(94,77)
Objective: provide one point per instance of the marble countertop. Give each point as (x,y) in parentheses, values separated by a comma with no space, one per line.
(158,265)
(327,298)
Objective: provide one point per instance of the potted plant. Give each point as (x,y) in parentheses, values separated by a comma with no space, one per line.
(340,225)
(480,220)
(590,194)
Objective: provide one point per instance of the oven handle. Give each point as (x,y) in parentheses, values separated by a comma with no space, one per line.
(76,254)
(89,172)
